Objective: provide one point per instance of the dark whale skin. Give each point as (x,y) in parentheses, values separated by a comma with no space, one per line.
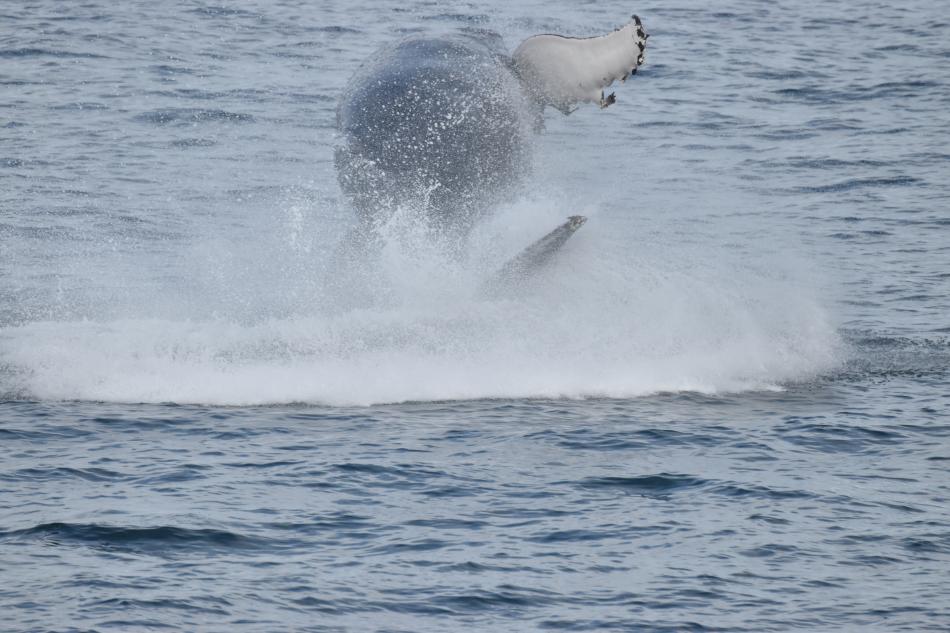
(441,122)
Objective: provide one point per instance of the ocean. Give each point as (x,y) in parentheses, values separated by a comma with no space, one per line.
(723,407)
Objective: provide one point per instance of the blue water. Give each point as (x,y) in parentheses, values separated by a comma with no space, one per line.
(723,408)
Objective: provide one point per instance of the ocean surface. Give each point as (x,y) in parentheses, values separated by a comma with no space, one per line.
(724,407)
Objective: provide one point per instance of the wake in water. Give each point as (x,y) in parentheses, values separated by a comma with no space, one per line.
(610,317)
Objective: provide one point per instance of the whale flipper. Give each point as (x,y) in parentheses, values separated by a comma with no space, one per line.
(564,71)
(532,258)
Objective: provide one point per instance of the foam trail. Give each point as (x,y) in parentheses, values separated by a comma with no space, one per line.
(605,320)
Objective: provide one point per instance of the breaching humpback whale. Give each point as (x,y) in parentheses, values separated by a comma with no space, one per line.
(446,122)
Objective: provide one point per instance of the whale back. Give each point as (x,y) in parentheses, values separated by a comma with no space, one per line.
(439,121)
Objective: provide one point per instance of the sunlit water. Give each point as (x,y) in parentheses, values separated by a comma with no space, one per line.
(724,406)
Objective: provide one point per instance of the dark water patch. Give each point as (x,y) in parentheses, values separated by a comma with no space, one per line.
(43,435)
(463,18)
(646,485)
(314,97)
(329,606)
(901,88)
(409,606)
(419,545)
(186,116)
(401,471)
(890,48)
(506,599)
(773,520)
(123,624)
(93,581)
(836,437)
(200,94)
(878,357)
(263,465)
(871,341)
(80,17)
(929,157)
(771,550)
(861,538)
(761,492)
(167,70)
(820,94)
(646,439)
(871,560)
(834,163)
(472,567)
(448,524)
(372,469)
(806,94)
(439,492)
(187,143)
(834,124)
(659,123)
(576,536)
(64,473)
(648,625)
(18,53)
(783,74)
(177,474)
(81,105)
(220,11)
(528,513)
(334,29)
(160,541)
(786,134)
(859,183)
(329,523)
(207,605)
(883,131)
(926,544)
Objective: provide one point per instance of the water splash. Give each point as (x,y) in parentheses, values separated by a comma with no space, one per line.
(611,317)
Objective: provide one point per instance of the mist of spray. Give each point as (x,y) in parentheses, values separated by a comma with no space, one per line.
(262,316)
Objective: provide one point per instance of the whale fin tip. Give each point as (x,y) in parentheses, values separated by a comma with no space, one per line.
(563,71)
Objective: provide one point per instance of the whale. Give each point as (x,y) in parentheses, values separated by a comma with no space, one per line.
(446,123)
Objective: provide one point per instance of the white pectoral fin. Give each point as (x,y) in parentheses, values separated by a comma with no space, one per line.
(564,71)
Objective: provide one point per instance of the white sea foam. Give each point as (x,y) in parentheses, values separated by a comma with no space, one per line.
(614,316)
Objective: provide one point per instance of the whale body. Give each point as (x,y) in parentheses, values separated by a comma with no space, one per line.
(446,122)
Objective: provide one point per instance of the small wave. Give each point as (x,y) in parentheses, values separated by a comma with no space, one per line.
(210,605)
(81,105)
(660,484)
(53,474)
(183,116)
(168,70)
(859,183)
(194,142)
(159,540)
(505,598)
(219,11)
(14,53)
(664,484)
(464,18)
(334,29)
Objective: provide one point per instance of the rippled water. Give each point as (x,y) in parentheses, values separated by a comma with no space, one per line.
(723,408)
